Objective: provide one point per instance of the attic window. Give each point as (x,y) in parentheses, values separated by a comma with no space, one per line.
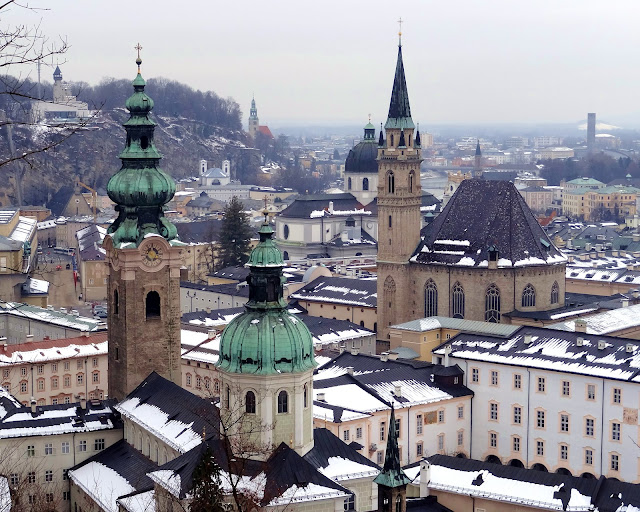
(545,244)
(493,253)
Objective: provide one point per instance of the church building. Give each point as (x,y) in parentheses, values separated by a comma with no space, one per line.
(485,257)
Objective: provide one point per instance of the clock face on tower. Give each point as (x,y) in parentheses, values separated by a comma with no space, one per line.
(152,255)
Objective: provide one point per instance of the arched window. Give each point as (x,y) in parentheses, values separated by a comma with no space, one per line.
(492,304)
(391,138)
(286,227)
(430,298)
(457,301)
(285,255)
(411,176)
(349,184)
(227,398)
(283,402)
(555,291)
(365,183)
(528,296)
(390,221)
(153,304)
(391,183)
(305,396)
(116,302)
(144,142)
(250,402)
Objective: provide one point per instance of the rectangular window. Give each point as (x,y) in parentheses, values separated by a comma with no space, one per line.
(14,479)
(80,378)
(540,448)
(460,438)
(49,497)
(95,376)
(65,447)
(564,452)
(419,423)
(382,430)
(441,416)
(380,458)
(589,427)
(440,442)
(5,374)
(517,381)
(66,365)
(48,475)
(564,423)
(66,495)
(79,364)
(494,378)
(615,431)
(359,433)
(493,440)
(31,477)
(419,449)
(398,429)
(517,415)
(94,361)
(98,444)
(82,446)
(542,382)
(23,371)
(48,449)
(40,369)
(493,412)
(566,388)
(516,444)
(54,367)
(461,412)
(475,375)
(617,395)
(540,419)
(615,462)
(591,391)
(345,435)
(31,450)
(40,384)
(67,381)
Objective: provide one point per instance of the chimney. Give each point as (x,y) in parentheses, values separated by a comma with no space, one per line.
(83,403)
(321,397)
(397,391)
(528,338)
(579,341)
(634,293)
(330,206)
(384,357)
(211,333)
(425,478)
(4,347)
(33,406)
(447,351)
(354,351)
(636,237)
(580,325)
(350,370)
(625,303)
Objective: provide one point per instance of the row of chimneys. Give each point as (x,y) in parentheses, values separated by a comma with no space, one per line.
(602,344)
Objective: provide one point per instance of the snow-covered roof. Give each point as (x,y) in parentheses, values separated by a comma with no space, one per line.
(443,322)
(607,322)
(52,316)
(102,484)
(340,290)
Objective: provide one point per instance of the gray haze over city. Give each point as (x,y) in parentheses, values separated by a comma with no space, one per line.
(467,62)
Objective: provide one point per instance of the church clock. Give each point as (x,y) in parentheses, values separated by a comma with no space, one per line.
(152,255)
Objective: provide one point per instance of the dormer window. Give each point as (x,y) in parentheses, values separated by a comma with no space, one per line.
(493,253)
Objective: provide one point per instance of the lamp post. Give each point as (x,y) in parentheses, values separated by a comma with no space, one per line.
(191,297)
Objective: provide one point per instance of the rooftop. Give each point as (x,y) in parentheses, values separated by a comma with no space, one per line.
(340,290)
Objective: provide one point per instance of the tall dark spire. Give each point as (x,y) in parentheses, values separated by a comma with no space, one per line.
(392,474)
(478,151)
(399,109)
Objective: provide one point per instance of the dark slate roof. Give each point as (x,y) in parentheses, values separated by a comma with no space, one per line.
(327,445)
(59,200)
(340,290)
(128,462)
(362,158)
(201,202)
(320,326)
(302,207)
(427,504)
(483,214)
(236,273)
(199,231)
(552,349)
(227,289)
(366,240)
(215,315)
(399,108)
(429,199)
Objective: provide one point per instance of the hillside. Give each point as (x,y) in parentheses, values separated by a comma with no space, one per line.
(191,126)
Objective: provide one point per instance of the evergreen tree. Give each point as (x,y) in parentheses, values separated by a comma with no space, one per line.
(235,235)
(207,489)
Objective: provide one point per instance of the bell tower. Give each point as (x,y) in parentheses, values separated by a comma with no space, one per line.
(144,259)
(253,119)
(399,200)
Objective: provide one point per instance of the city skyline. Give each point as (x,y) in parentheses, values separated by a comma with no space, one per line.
(466,63)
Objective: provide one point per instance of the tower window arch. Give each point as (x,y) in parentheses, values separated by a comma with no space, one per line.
(285,230)
(283,402)
(152,304)
(365,183)
(411,178)
(430,298)
(528,296)
(349,184)
(457,301)
(391,183)
(391,139)
(250,402)
(492,304)
(144,142)
(390,221)
(305,396)
(116,302)
(555,292)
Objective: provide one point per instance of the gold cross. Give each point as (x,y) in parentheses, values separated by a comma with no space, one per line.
(369,117)
(138,47)
(400,25)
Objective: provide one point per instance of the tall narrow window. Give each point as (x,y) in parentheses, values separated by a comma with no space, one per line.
(391,138)
(250,402)
(492,304)
(411,176)
(390,221)
(365,183)
(153,304)
(116,302)
(555,290)
(391,183)
(430,298)
(457,301)
(283,402)
(306,395)
(349,184)
(528,296)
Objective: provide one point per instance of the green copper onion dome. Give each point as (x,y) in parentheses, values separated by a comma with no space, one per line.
(140,188)
(266,339)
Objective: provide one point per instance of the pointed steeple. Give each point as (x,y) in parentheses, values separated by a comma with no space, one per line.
(381,138)
(478,151)
(417,141)
(392,475)
(57,74)
(253,113)
(399,109)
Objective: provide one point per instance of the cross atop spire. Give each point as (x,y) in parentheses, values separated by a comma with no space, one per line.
(400,32)
(399,109)
(138,60)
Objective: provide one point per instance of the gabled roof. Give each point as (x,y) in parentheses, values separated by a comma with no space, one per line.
(170,412)
(199,231)
(484,214)
(214,172)
(235,273)
(304,206)
(444,322)
(340,290)
(264,130)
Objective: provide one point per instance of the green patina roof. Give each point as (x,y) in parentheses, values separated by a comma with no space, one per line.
(392,474)
(140,188)
(266,339)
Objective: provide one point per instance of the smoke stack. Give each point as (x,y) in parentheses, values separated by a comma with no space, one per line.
(591,131)
(580,325)
(33,406)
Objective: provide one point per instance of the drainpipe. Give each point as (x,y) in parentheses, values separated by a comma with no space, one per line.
(409,435)
(528,414)
(602,431)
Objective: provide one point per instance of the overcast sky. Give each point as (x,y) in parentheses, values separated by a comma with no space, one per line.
(332,62)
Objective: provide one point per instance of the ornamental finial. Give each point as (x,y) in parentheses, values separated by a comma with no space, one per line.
(138,60)
(400,32)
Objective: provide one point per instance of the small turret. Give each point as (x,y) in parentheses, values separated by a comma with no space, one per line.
(392,481)
(57,75)
(381,139)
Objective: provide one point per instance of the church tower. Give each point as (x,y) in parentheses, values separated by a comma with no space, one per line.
(399,200)
(59,90)
(144,259)
(477,162)
(253,119)
(266,364)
